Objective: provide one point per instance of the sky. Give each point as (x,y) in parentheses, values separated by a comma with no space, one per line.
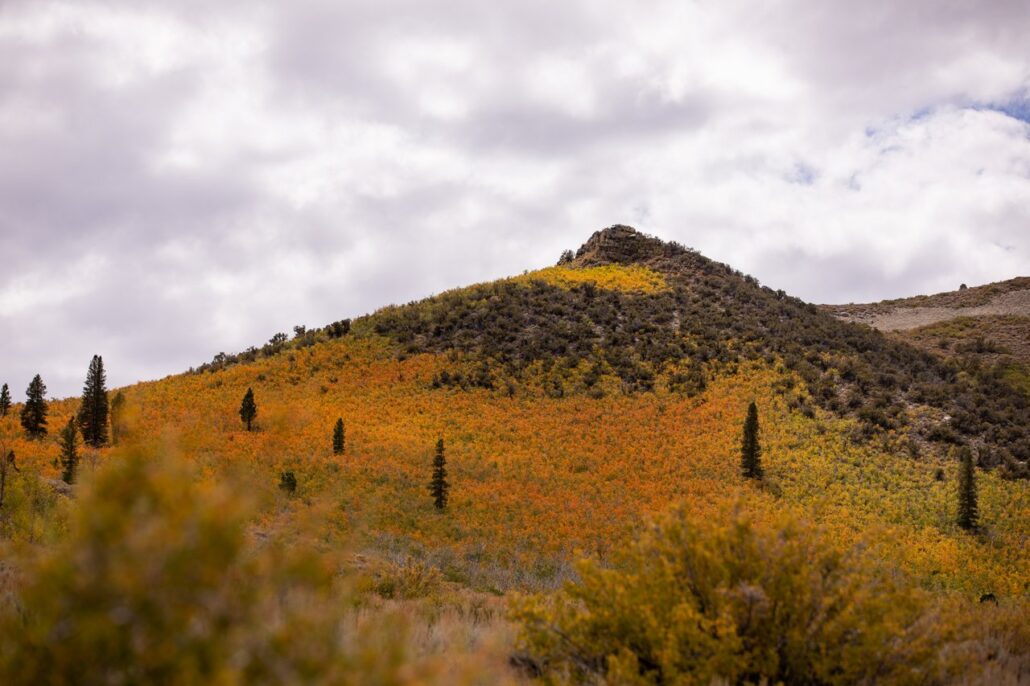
(181,178)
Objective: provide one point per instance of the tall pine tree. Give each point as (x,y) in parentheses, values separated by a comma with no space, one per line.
(94,409)
(968,511)
(339,437)
(438,486)
(750,450)
(5,401)
(34,412)
(68,440)
(248,408)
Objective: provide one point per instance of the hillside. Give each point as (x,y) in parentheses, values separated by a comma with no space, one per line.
(1002,298)
(699,322)
(985,327)
(576,403)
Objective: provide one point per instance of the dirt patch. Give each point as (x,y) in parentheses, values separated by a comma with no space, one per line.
(912,317)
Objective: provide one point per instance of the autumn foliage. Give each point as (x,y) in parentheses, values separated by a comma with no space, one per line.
(733,600)
(550,459)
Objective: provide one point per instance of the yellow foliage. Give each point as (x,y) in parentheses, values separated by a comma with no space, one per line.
(614,277)
(157,582)
(537,481)
(700,600)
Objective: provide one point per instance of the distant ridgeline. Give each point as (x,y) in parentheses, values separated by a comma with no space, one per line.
(630,313)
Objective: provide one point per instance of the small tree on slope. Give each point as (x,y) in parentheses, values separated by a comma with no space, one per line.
(34,412)
(750,451)
(338,437)
(438,486)
(68,440)
(968,511)
(248,408)
(5,400)
(94,408)
(117,417)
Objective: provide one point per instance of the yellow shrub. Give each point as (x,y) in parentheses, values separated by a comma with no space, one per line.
(725,598)
(158,582)
(615,277)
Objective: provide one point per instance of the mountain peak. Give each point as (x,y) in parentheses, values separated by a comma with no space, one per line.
(622,244)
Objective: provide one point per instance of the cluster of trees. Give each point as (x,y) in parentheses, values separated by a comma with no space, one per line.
(90,422)
(439,486)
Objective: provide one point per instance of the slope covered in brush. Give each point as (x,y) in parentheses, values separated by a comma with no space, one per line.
(575,406)
(565,336)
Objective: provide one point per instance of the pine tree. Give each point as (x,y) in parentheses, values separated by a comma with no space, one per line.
(117,409)
(34,412)
(438,486)
(968,511)
(7,462)
(288,482)
(68,440)
(94,409)
(339,437)
(750,451)
(5,400)
(248,408)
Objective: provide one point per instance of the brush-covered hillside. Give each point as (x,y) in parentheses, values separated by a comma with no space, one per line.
(983,329)
(596,525)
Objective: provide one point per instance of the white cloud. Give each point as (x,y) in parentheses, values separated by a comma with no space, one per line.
(240,168)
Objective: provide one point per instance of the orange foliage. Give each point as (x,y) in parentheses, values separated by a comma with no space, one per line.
(537,479)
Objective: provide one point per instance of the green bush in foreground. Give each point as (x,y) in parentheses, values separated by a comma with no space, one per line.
(725,599)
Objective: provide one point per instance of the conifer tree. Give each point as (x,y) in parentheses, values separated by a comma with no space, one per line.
(438,486)
(339,437)
(117,408)
(968,511)
(7,462)
(248,408)
(94,408)
(5,400)
(288,482)
(68,440)
(750,460)
(34,412)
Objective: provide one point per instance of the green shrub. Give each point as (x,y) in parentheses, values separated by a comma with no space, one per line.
(697,601)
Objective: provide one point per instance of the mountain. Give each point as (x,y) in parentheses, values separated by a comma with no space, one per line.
(695,321)
(983,326)
(576,404)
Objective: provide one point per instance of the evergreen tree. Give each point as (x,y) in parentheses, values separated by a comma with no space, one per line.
(248,409)
(68,440)
(34,412)
(338,437)
(750,452)
(968,511)
(117,409)
(7,462)
(5,401)
(438,486)
(288,482)
(94,409)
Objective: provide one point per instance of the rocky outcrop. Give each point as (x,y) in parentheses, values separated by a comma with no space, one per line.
(622,244)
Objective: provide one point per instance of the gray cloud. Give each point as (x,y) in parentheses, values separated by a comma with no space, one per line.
(180,178)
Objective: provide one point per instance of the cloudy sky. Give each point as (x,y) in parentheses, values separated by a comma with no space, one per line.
(183,177)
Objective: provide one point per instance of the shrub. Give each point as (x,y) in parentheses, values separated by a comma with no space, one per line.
(697,601)
(158,583)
